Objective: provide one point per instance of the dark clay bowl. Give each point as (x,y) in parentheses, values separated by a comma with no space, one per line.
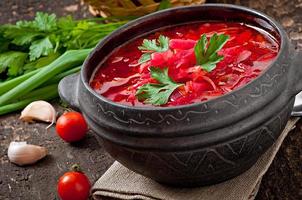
(197,144)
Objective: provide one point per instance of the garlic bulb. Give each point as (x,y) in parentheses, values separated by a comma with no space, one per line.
(40,111)
(22,153)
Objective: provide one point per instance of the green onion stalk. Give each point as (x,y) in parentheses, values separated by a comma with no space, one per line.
(66,61)
(40,84)
(46,94)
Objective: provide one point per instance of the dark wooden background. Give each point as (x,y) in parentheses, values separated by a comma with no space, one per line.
(282,181)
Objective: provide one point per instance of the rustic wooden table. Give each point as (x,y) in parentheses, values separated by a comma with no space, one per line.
(282,181)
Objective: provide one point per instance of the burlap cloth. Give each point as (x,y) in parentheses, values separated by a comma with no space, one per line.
(121,183)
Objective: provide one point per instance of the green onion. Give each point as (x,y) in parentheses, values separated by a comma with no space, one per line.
(7,85)
(64,62)
(40,91)
(41,94)
(58,77)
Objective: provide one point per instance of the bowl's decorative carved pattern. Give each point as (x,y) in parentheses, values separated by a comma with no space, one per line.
(198,164)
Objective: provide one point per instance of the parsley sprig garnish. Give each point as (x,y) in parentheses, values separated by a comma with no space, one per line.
(151,46)
(157,93)
(206,54)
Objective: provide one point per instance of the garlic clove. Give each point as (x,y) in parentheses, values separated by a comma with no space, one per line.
(22,153)
(39,111)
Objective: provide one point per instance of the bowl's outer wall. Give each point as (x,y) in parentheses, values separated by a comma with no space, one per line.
(197,144)
(202,165)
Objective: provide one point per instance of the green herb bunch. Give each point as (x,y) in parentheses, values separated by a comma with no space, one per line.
(35,55)
(29,45)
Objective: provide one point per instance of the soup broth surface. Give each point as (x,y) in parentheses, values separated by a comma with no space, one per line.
(247,52)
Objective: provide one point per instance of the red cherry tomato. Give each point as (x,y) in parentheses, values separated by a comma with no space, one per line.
(74,186)
(71,127)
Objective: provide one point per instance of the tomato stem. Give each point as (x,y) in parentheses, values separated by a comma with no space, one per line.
(76,168)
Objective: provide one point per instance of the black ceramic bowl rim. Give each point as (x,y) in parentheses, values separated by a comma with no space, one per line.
(252,12)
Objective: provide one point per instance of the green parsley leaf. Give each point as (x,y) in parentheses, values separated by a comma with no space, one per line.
(13,62)
(25,24)
(25,38)
(161,45)
(38,48)
(45,22)
(206,54)
(144,58)
(3,43)
(164,4)
(157,94)
(20,36)
(150,46)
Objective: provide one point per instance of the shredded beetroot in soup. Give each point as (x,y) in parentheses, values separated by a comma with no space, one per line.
(185,64)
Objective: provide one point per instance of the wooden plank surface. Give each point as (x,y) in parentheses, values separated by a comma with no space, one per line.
(283,180)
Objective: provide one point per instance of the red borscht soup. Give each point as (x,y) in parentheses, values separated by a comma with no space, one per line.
(185,64)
